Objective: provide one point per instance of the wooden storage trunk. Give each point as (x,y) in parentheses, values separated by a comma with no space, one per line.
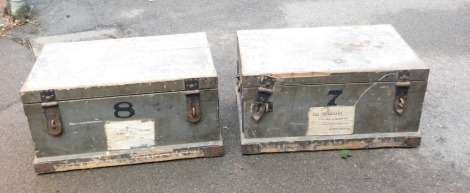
(328,88)
(123,101)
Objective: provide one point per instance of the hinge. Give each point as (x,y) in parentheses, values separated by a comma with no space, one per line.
(261,105)
(193,99)
(401,93)
(51,111)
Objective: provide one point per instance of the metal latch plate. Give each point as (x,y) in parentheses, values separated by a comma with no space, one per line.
(401,94)
(193,100)
(261,105)
(51,112)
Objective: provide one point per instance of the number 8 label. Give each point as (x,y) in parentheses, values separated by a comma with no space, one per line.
(123,106)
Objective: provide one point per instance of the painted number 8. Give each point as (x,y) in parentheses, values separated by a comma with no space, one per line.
(123,106)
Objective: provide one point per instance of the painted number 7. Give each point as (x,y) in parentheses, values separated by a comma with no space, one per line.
(335,94)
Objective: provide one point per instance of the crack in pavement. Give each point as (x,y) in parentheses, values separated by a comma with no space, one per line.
(7,106)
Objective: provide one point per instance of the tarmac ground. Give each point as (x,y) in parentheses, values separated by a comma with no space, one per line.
(439,31)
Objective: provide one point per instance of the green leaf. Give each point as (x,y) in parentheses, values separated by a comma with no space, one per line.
(344,154)
(3,27)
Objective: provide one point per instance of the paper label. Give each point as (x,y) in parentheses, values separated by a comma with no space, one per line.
(331,120)
(130,134)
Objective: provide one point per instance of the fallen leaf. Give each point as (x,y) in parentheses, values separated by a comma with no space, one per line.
(344,154)
(239,166)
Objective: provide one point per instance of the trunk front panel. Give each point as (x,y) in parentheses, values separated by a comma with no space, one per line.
(88,124)
(373,103)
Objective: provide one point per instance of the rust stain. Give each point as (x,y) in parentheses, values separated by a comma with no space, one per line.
(389,92)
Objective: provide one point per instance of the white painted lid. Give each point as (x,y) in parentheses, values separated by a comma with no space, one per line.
(121,61)
(325,50)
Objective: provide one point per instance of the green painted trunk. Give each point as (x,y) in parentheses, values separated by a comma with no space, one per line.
(123,101)
(328,88)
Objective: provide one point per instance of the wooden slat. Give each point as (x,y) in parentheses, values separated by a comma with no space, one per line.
(127,157)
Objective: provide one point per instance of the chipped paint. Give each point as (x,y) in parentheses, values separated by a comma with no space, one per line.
(127,157)
(106,161)
(320,143)
(85,122)
(385,143)
(346,145)
(295,75)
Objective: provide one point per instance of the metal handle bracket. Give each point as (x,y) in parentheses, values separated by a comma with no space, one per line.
(401,93)
(261,104)
(193,100)
(51,112)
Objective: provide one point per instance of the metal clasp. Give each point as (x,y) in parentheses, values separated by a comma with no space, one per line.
(193,100)
(51,112)
(261,105)
(401,94)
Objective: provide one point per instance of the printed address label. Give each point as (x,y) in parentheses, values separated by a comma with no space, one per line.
(331,120)
(130,134)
